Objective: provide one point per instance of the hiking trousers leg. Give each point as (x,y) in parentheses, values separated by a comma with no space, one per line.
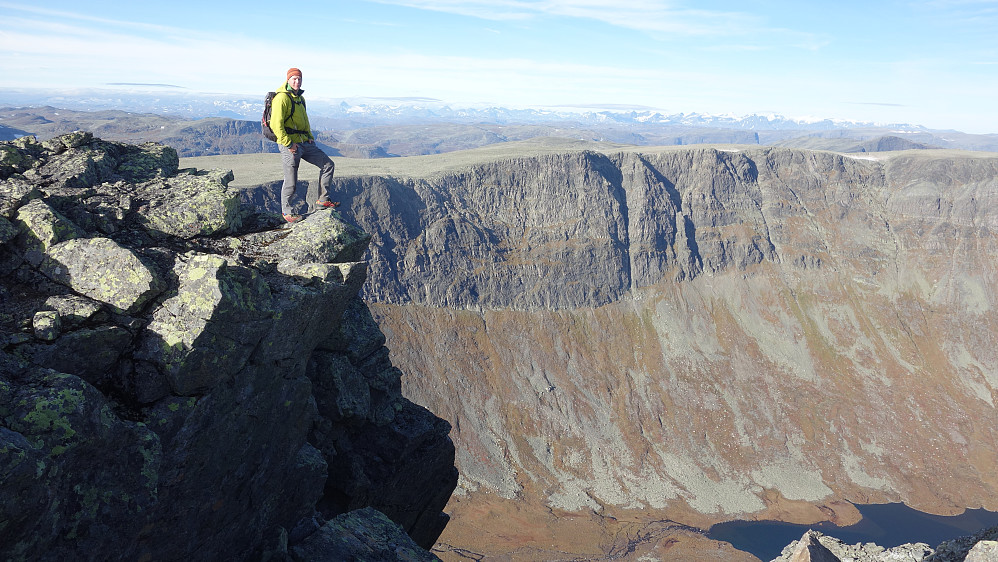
(290,163)
(315,156)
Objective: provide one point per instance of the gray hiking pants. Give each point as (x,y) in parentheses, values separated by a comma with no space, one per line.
(312,154)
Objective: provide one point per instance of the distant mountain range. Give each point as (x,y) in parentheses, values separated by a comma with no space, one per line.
(207,124)
(392,110)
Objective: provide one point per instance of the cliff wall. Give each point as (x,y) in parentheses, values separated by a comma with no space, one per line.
(699,333)
(184,378)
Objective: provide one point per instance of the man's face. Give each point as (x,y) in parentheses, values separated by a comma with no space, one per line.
(295,82)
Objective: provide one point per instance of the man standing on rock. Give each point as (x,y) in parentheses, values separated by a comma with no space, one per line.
(296,143)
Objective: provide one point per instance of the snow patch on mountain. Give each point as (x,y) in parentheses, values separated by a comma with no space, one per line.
(391,110)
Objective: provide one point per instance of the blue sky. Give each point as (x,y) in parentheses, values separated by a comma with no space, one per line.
(927,62)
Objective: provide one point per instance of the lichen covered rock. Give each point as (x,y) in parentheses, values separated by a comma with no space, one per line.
(163,356)
(103,270)
(19,156)
(46,325)
(190,205)
(43,227)
(207,331)
(320,238)
(74,472)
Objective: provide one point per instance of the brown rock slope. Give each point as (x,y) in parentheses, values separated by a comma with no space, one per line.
(692,335)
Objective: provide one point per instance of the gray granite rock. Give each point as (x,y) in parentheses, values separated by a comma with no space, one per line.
(984,551)
(364,534)
(167,389)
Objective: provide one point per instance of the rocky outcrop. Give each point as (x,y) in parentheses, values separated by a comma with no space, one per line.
(979,547)
(817,547)
(983,551)
(694,334)
(365,534)
(810,549)
(182,377)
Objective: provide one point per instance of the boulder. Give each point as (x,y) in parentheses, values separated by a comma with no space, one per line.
(92,354)
(19,156)
(984,551)
(103,270)
(189,205)
(46,325)
(43,227)
(7,231)
(322,237)
(14,193)
(77,161)
(206,332)
(147,161)
(73,309)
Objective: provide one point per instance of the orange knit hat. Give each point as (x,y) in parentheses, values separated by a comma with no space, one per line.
(292,72)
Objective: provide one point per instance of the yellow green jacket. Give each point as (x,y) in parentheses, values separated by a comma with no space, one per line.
(280,109)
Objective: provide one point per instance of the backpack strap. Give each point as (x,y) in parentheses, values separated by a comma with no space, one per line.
(289,130)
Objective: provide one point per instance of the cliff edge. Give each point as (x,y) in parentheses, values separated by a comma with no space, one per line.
(182,377)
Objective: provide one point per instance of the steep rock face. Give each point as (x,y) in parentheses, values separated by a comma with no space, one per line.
(560,231)
(701,333)
(183,378)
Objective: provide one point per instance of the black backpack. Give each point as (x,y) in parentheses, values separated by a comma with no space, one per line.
(265,120)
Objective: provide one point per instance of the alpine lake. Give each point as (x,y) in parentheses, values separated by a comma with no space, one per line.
(887,525)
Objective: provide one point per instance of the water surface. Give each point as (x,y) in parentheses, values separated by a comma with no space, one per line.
(887,525)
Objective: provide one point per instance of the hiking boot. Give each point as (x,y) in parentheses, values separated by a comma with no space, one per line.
(292,218)
(332,204)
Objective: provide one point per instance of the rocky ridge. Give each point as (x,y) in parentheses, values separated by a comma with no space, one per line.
(182,377)
(815,546)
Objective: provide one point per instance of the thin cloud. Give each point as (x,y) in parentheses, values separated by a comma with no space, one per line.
(960,3)
(378,23)
(492,10)
(978,15)
(82,17)
(659,18)
(145,84)
(68,51)
(62,48)
(879,104)
(647,15)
